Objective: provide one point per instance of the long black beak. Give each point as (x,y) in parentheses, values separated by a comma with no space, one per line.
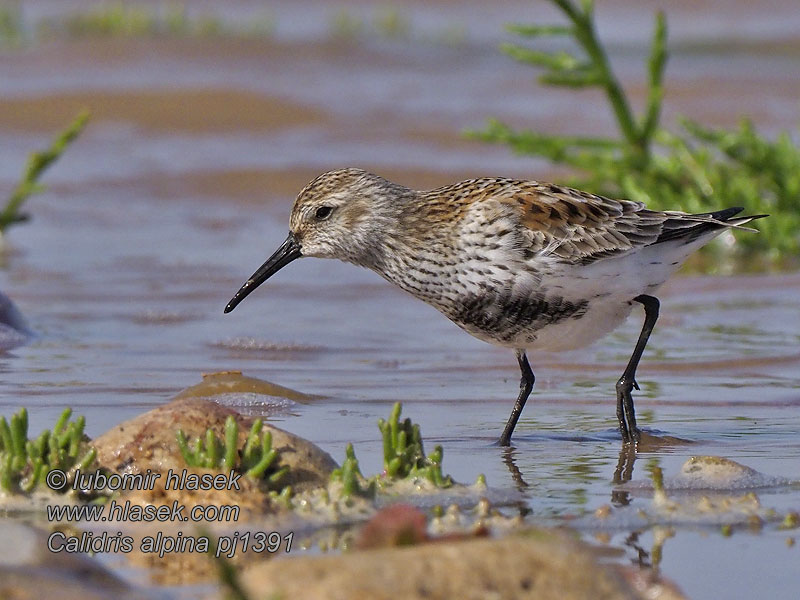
(289,251)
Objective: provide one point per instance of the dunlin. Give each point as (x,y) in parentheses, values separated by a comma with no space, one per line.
(520,264)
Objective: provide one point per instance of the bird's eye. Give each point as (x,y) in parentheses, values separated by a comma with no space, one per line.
(323,212)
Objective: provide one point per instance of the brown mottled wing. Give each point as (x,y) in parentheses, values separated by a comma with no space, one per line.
(579,227)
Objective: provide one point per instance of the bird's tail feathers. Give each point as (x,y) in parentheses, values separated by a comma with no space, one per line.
(739,221)
(689,227)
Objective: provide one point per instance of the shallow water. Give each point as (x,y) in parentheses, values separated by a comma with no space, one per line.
(154,218)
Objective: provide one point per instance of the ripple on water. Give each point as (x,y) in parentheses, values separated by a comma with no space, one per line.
(257,405)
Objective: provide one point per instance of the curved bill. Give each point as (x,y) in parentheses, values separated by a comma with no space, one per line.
(289,251)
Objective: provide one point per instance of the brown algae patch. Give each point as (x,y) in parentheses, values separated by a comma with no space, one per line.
(209,110)
(261,184)
(162,317)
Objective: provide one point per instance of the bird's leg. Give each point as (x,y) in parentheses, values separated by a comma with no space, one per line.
(625,413)
(525,387)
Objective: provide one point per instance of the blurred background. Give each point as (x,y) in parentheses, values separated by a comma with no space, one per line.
(207,117)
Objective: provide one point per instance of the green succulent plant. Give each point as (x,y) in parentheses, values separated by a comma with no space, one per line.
(256,459)
(25,463)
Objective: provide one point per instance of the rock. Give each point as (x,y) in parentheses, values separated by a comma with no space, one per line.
(29,571)
(233,382)
(149,442)
(719,473)
(14,330)
(538,564)
(395,525)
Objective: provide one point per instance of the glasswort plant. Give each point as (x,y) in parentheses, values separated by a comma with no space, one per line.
(38,163)
(403,459)
(25,463)
(256,458)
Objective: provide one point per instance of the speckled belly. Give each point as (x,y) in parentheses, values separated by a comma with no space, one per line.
(538,321)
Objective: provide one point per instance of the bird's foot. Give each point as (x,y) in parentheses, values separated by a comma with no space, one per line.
(504,441)
(631,437)
(625,411)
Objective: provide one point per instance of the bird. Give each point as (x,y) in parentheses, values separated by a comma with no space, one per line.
(516,263)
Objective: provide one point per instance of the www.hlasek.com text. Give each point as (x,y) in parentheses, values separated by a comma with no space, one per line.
(126,511)
(147,513)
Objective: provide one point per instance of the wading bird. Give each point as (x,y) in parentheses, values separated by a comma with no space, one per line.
(520,264)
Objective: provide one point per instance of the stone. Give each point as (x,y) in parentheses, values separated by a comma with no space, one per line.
(149,442)
(537,564)
(29,571)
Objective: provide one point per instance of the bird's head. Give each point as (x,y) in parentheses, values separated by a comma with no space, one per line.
(340,214)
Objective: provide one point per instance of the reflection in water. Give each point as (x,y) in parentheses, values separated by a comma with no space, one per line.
(513,469)
(642,559)
(660,535)
(622,474)
(628,454)
(650,560)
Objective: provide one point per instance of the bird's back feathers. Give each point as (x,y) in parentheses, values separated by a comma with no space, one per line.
(580,228)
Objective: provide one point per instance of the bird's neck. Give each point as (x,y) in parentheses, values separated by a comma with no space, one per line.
(415,247)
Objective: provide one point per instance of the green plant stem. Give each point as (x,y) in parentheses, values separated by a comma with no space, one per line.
(38,163)
(231,441)
(655,90)
(586,35)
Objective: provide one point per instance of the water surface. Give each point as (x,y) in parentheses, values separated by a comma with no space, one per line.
(157,215)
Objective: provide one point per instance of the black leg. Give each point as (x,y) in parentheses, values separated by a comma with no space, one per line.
(625,412)
(525,387)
